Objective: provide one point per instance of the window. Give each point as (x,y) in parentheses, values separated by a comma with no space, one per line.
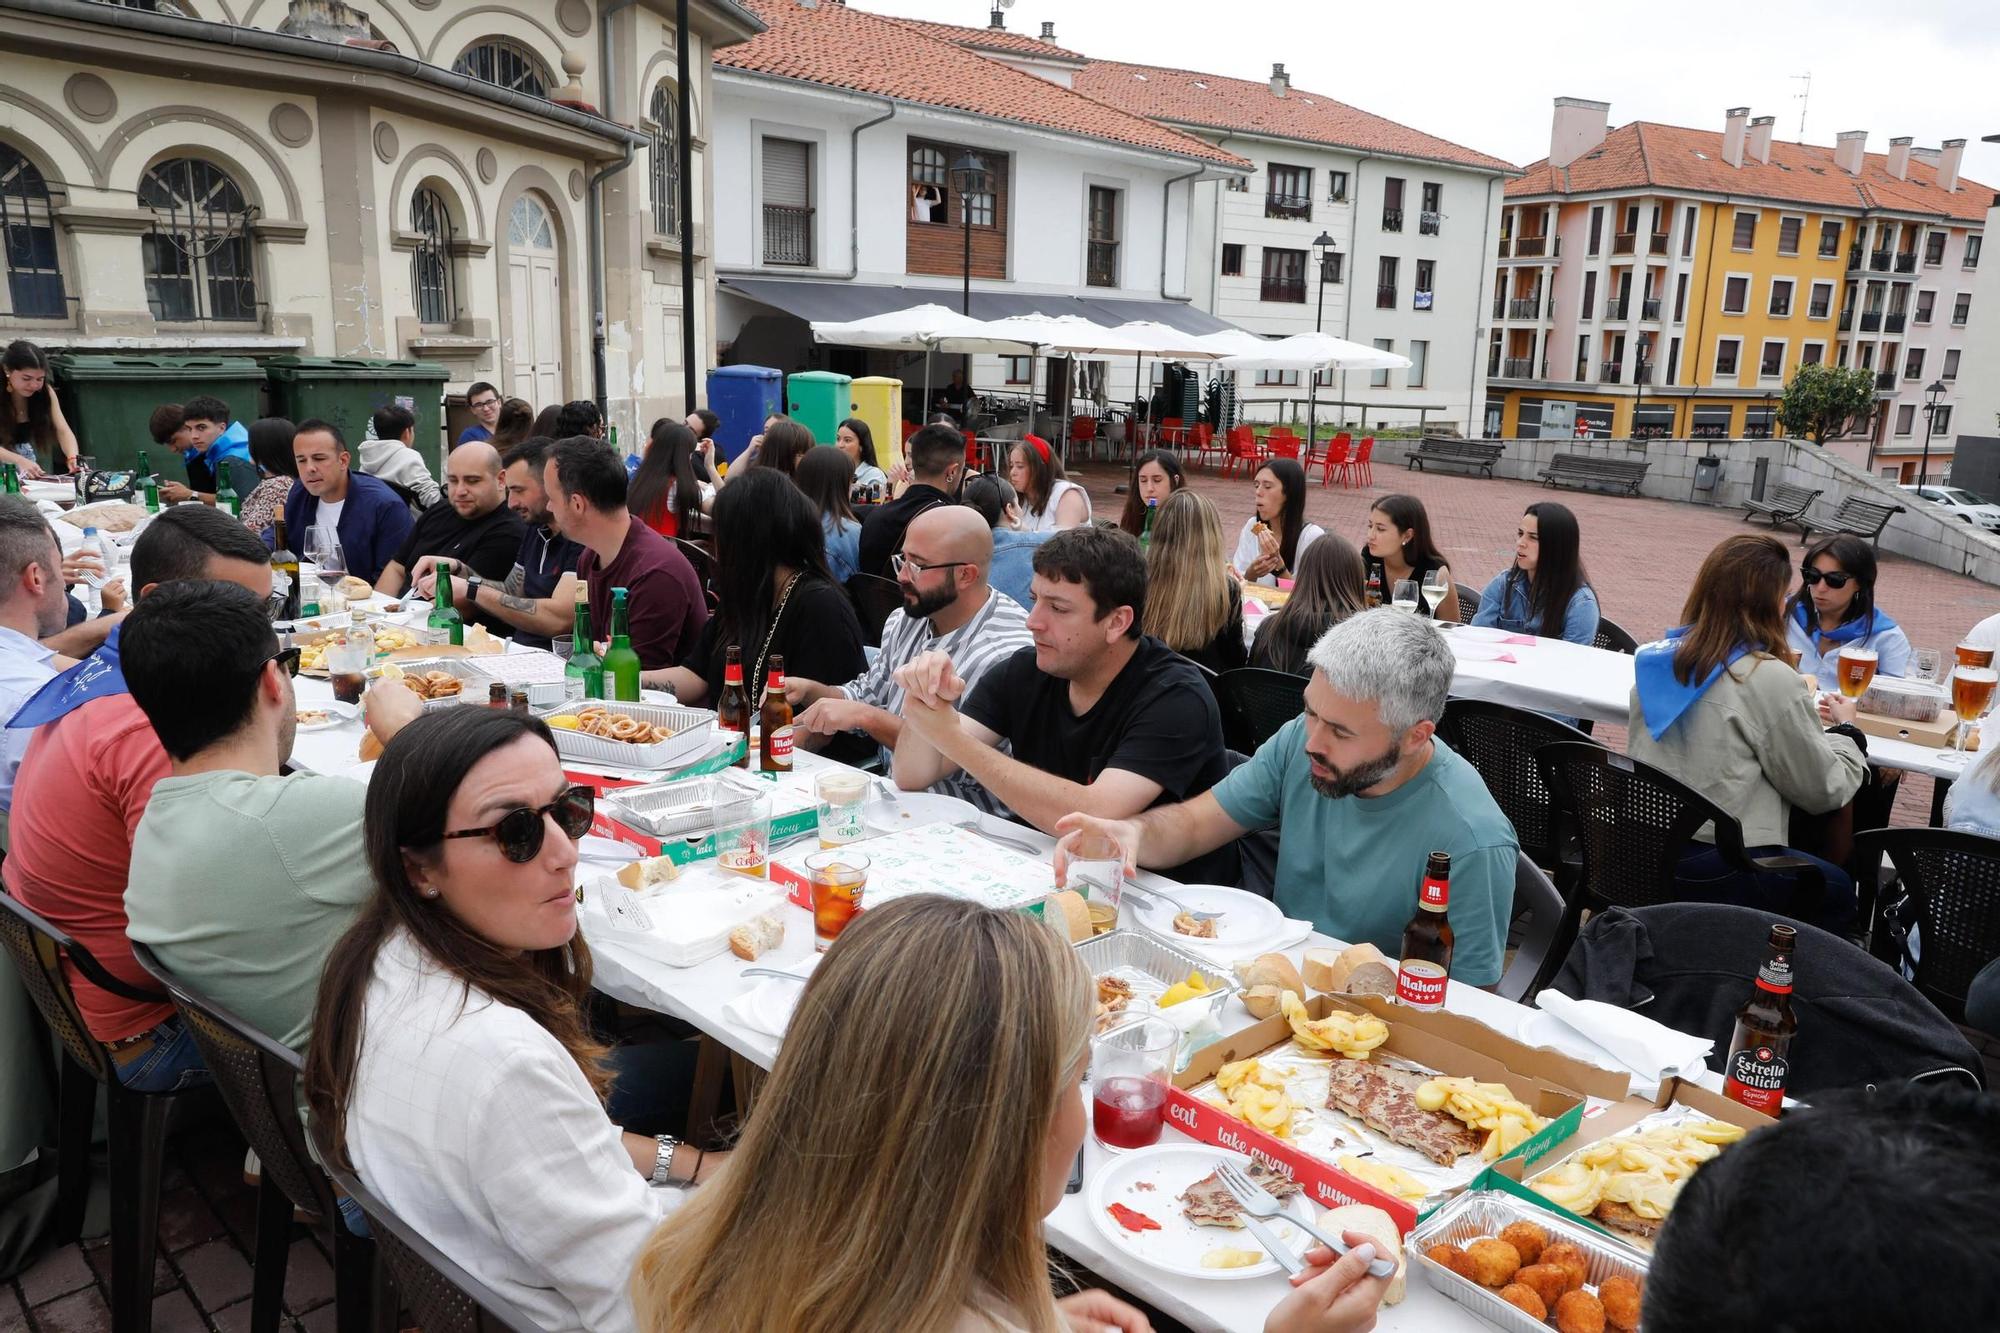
(1934,248)
(1284,275)
(1735,294)
(505,64)
(1771,363)
(788,210)
(1906,417)
(1710,423)
(28,230)
(1961,306)
(1972,251)
(1687,232)
(1232,260)
(1950,370)
(1330,262)
(198,256)
(1926,306)
(1745,235)
(1941,419)
(1582,358)
(1288,192)
(930,190)
(1596,229)
(1781,298)
(1788,235)
(1392,203)
(1913,364)
(1336,187)
(1385,283)
(1432,220)
(1681,299)
(1420,355)
(1829,238)
(1379,379)
(1673,361)
(1101,261)
(430,262)
(1277,379)
(1590,294)
(665,152)
(1236,184)
(1725,357)
(1016,368)
(1811,354)
(1426,278)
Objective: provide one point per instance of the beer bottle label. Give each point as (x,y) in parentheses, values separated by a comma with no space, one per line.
(1420,985)
(1775,975)
(781,747)
(1756,1077)
(1434,894)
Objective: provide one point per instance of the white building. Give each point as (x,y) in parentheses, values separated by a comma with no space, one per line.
(1976,424)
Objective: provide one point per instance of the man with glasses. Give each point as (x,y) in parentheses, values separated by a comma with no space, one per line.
(242,878)
(948,607)
(484,401)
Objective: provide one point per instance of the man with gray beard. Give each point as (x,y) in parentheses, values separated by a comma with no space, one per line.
(1361,792)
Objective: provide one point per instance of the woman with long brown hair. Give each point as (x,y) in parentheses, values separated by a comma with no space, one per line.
(38,439)
(1156,474)
(1718,705)
(1049,501)
(1192,604)
(1327,591)
(450,1065)
(514,424)
(671,491)
(1400,548)
(895,1175)
(1276,536)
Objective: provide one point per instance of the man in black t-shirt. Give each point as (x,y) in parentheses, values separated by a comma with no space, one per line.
(937,457)
(1097,717)
(474,527)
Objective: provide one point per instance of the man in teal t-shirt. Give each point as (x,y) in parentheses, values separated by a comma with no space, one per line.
(1361,793)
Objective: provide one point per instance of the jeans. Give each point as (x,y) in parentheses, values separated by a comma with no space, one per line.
(172,1064)
(355,1220)
(1704,877)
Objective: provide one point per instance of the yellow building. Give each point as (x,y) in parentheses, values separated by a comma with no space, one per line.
(1658,281)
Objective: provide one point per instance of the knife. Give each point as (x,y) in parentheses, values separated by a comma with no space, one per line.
(1288,1261)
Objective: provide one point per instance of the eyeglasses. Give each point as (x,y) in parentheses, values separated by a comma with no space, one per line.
(1835,579)
(520,832)
(900,562)
(286,658)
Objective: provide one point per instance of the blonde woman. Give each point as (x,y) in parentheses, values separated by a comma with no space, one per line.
(1192,604)
(895,1175)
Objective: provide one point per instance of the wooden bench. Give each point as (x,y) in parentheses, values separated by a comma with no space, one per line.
(1856,517)
(1788,504)
(1591,470)
(1443,449)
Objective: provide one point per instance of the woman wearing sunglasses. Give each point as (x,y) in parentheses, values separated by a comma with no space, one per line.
(450,1064)
(1835,608)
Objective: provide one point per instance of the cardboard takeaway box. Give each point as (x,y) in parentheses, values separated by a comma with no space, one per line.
(1554,1086)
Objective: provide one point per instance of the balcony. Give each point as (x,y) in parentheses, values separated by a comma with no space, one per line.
(1643,373)
(1292,290)
(1624,242)
(1518,368)
(1499,307)
(1505,242)
(1871,321)
(1101,264)
(1298,207)
(1854,258)
(1385,296)
(1650,308)
(1525,307)
(1906,263)
(1886,380)
(1392,219)
(788,235)
(1617,306)
(1879,261)
(1530,247)
(1657,244)
(1609,373)
(1846,320)
(1428,223)
(1422,301)
(1894,323)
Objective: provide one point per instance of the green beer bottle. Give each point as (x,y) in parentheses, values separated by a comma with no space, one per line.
(444,615)
(621,664)
(584,663)
(149,484)
(225,490)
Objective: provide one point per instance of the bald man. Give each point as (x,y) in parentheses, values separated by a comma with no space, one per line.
(473,528)
(948,607)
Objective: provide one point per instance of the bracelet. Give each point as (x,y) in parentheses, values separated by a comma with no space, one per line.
(663,1158)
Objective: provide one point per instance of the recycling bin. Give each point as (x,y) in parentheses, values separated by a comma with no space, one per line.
(743,397)
(878,400)
(819,400)
(346,390)
(108,399)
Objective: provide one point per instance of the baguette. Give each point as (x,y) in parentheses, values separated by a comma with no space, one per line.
(756,935)
(1359,969)
(646,872)
(1270,969)
(1375,1224)
(1067,905)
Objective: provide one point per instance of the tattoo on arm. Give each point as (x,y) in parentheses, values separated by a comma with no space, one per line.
(525,605)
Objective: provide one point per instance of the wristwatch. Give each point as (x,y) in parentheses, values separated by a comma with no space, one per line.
(663,1158)
(472,586)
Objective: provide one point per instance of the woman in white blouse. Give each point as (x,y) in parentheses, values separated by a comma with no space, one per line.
(450,1064)
(1048,502)
(1276,534)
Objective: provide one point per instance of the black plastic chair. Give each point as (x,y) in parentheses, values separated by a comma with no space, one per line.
(1633,823)
(1613,638)
(1951,893)
(137,1121)
(258,1078)
(1255,702)
(1468,602)
(698,556)
(874,599)
(1546,937)
(1500,741)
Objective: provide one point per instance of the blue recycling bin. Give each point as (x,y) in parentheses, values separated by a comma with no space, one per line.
(743,396)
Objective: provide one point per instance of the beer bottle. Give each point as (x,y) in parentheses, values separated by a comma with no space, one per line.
(149,485)
(1373,591)
(1146,532)
(1758,1061)
(732,707)
(621,662)
(496,696)
(1426,965)
(285,564)
(774,749)
(518,701)
(584,663)
(444,615)
(225,490)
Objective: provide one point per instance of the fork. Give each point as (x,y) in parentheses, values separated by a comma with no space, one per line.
(1169,898)
(1260,1202)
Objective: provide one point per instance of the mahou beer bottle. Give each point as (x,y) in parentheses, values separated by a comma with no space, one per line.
(774,749)
(1426,965)
(732,708)
(1758,1063)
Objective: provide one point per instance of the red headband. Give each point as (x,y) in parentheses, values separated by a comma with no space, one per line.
(1041,445)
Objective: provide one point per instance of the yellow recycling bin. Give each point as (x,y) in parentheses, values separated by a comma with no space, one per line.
(878,400)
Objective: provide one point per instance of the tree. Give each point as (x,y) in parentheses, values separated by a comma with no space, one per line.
(1824,401)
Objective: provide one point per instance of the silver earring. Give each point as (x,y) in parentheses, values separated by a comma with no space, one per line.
(430,893)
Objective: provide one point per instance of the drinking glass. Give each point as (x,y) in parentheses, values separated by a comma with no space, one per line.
(1970,656)
(1971,696)
(323,549)
(1097,871)
(842,794)
(1436,586)
(743,836)
(1404,596)
(1130,1067)
(839,878)
(347,661)
(1855,670)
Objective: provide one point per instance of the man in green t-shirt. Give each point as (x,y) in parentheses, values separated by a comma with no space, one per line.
(1361,793)
(241,879)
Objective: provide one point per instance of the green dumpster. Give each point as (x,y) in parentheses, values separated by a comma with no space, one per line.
(347,390)
(108,399)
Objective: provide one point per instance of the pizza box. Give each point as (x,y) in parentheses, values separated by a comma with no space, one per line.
(1936,734)
(1554,1086)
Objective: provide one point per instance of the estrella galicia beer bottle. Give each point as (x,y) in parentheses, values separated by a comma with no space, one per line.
(1759,1049)
(1426,965)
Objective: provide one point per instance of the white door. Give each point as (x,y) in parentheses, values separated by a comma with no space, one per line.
(531,286)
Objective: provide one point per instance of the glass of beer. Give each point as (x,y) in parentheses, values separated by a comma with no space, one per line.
(1855,669)
(838,879)
(1971,696)
(743,836)
(1969,656)
(1097,871)
(842,792)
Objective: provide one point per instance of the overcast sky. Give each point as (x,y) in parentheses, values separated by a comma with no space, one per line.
(1483,74)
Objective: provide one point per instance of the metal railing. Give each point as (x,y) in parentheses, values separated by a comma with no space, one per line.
(1505,241)
(1871,321)
(1529,307)
(1649,308)
(1886,380)
(1297,206)
(1906,263)
(1616,307)
(1101,264)
(1392,219)
(1854,256)
(1894,323)
(1658,244)
(788,235)
(1879,261)
(1499,307)
(1283,289)
(1385,296)
(1642,373)
(1846,320)
(1530,247)
(1610,372)
(1623,243)
(1521,368)
(1428,223)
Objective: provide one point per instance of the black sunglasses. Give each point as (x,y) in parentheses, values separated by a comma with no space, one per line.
(520,832)
(1835,579)
(286,658)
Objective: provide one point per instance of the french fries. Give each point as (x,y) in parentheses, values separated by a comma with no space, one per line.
(1257,1097)
(1643,1171)
(1389,1179)
(1488,1106)
(1353,1035)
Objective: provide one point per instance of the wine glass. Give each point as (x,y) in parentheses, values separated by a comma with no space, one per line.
(1404,596)
(323,549)
(1436,586)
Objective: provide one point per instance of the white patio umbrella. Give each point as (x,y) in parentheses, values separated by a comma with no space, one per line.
(929,327)
(1234,342)
(1315,352)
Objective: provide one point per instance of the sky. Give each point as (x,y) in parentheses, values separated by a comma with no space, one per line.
(1489,84)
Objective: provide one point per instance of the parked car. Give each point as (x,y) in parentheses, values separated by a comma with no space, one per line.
(1964,503)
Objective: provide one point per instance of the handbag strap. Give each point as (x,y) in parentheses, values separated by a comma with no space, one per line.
(784,600)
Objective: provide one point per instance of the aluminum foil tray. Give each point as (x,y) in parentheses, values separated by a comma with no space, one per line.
(678,809)
(693,729)
(1481,1213)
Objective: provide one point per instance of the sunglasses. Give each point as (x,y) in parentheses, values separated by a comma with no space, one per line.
(1835,579)
(287,660)
(520,832)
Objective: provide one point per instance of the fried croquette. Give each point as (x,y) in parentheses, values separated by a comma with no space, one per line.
(1451,1257)
(1494,1262)
(1528,1239)
(1579,1312)
(1549,1281)
(1571,1259)
(1620,1297)
(1524,1299)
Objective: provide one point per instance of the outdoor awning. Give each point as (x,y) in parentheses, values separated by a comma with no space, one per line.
(849,301)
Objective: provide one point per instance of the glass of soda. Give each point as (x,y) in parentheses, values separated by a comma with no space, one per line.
(347,663)
(839,878)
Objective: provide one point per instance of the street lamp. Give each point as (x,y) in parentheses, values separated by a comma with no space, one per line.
(969,174)
(1324,244)
(1639,384)
(1935,391)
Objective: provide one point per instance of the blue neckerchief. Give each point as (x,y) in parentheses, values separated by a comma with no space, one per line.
(98,676)
(232,443)
(1662,696)
(1877,621)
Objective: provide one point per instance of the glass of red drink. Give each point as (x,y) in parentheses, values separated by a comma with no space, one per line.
(1130,1067)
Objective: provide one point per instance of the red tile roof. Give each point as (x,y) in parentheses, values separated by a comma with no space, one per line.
(994,39)
(1185,97)
(1646,154)
(850,49)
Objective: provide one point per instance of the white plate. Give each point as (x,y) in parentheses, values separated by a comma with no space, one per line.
(1246,919)
(336,715)
(913,809)
(1177,1247)
(1481,633)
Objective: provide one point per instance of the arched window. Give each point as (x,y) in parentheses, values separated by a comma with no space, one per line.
(199,262)
(666,153)
(430,263)
(504,64)
(529,225)
(28,230)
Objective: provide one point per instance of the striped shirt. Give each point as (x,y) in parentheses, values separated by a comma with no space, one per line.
(996,633)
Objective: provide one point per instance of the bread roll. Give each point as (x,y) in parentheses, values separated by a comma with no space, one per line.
(1262,1001)
(646,872)
(1271,969)
(1359,969)
(1377,1226)
(756,935)
(1068,908)
(355,589)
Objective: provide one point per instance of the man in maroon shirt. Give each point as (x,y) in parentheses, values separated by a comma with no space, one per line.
(665,608)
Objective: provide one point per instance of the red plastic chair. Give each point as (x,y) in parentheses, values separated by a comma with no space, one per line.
(975,453)
(1317,451)
(1240,446)
(1364,467)
(1083,430)
(909,429)
(1282,443)
(1173,433)
(1339,459)
(1200,445)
